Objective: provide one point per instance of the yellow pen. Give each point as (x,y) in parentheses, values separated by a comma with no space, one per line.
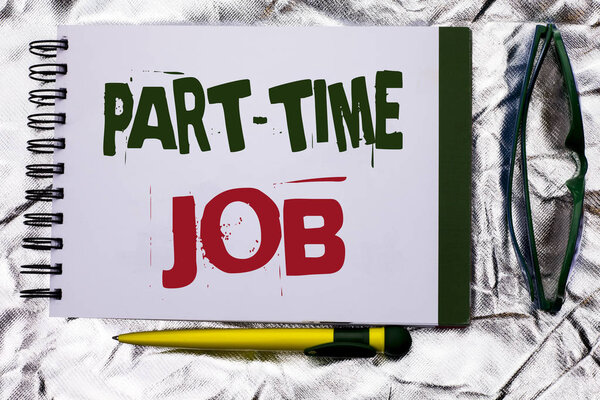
(394,341)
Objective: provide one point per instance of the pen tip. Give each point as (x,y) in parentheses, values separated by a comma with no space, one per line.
(116,338)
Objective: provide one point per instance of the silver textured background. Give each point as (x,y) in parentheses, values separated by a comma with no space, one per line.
(510,351)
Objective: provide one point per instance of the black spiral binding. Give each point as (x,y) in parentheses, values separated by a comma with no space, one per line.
(44,121)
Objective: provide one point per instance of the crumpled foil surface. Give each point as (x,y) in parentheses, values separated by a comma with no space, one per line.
(510,351)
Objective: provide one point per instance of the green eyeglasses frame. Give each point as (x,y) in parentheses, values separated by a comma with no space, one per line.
(576,184)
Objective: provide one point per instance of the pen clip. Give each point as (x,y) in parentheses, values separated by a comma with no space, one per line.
(341,349)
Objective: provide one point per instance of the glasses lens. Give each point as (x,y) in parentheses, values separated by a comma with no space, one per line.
(519,215)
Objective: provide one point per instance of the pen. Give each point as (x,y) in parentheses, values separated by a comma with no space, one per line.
(393,341)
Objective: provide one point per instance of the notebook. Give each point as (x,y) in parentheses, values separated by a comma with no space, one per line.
(314,174)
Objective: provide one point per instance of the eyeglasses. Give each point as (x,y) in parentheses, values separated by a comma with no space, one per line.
(520,194)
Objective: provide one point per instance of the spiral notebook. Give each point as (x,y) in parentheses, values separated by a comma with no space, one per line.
(254,173)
